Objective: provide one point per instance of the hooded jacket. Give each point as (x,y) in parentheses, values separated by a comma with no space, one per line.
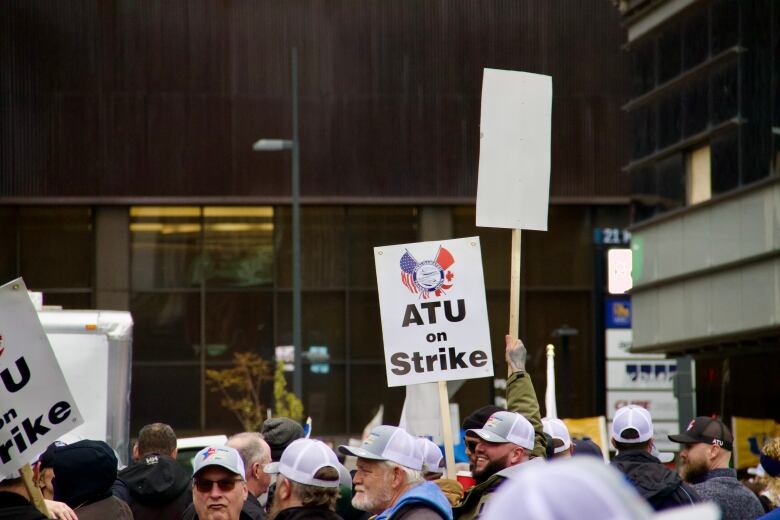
(426,496)
(660,486)
(158,488)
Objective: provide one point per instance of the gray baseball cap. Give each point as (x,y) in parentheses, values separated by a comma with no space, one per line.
(388,443)
(221,456)
(507,427)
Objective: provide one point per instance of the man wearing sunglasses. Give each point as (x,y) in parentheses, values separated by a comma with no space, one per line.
(218,484)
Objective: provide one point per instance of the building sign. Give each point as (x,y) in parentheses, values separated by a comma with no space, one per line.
(619,271)
(36,406)
(434,315)
(619,343)
(662,405)
(640,374)
(617,313)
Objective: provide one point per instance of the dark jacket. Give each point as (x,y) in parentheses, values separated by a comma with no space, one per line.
(14,506)
(660,486)
(110,508)
(155,488)
(251,510)
(307,513)
(736,502)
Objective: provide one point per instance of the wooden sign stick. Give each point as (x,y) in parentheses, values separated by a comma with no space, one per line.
(514,289)
(446,429)
(35,493)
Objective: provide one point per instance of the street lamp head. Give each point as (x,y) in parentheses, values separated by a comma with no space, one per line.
(272,145)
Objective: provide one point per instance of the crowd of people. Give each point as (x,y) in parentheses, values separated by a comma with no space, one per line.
(520,466)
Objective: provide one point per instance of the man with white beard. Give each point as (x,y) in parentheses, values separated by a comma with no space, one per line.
(389,481)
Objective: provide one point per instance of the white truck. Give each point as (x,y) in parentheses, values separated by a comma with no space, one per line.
(94,350)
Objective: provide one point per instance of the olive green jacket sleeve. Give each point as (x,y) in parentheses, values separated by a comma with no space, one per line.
(521,398)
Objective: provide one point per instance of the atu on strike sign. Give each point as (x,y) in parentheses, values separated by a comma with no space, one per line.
(434,316)
(36,406)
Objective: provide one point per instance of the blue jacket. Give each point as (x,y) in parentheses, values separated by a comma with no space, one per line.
(427,495)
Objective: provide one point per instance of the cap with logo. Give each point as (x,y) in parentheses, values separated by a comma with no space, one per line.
(388,443)
(706,430)
(301,461)
(223,457)
(632,417)
(432,459)
(557,429)
(507,427)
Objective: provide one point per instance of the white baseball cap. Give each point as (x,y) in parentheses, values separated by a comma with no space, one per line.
(388,443)
(222,456)
(557,429)
(507,427)
(632,417)
(591,489)
(302,459)
(432,459)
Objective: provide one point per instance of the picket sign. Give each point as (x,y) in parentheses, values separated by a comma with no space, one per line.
(513,188)
(434,318)
(36,406)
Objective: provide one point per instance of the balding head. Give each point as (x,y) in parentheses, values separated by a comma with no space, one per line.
(255,453)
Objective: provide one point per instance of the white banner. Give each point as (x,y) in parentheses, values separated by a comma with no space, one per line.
(513,188)
(661,405)
(36,406)
(641,374)
(434,315)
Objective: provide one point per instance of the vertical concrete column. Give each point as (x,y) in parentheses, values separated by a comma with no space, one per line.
(112,258)
(435,223)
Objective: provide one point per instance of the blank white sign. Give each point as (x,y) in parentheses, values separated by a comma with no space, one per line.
(513,190)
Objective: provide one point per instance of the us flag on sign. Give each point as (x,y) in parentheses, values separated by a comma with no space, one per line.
(408,265)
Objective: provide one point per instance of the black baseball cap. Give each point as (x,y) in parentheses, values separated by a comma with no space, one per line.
(706,430)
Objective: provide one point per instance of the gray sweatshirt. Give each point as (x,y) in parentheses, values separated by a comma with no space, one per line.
(735,500)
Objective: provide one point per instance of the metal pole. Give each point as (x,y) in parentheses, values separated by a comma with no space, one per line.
(296,234)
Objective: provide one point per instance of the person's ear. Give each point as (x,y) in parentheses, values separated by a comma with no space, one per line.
(398,477)
(136,454)
(517,455)
(257,470)
(174,453)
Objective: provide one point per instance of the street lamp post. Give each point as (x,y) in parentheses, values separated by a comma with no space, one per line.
(269,145)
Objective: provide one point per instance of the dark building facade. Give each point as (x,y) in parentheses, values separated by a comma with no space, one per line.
(703,118)
(128,180)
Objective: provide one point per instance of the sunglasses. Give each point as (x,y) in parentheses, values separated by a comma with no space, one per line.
(471,446)
(205,485)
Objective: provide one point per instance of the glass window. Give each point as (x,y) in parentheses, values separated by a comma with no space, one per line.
(369,227)
(325,397)
(669,120)
(669,53)
(724,88)
(369,390)
(725,25)
(696,44)
(324,261)
(166,326)
(56,247)
(495,243)
(168,393)
(562,255)
(239,322)
(8,236)
(696,102)
(238,246)
(725,162)
(671,181)
(165,247)
(365,326)
(323,321)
